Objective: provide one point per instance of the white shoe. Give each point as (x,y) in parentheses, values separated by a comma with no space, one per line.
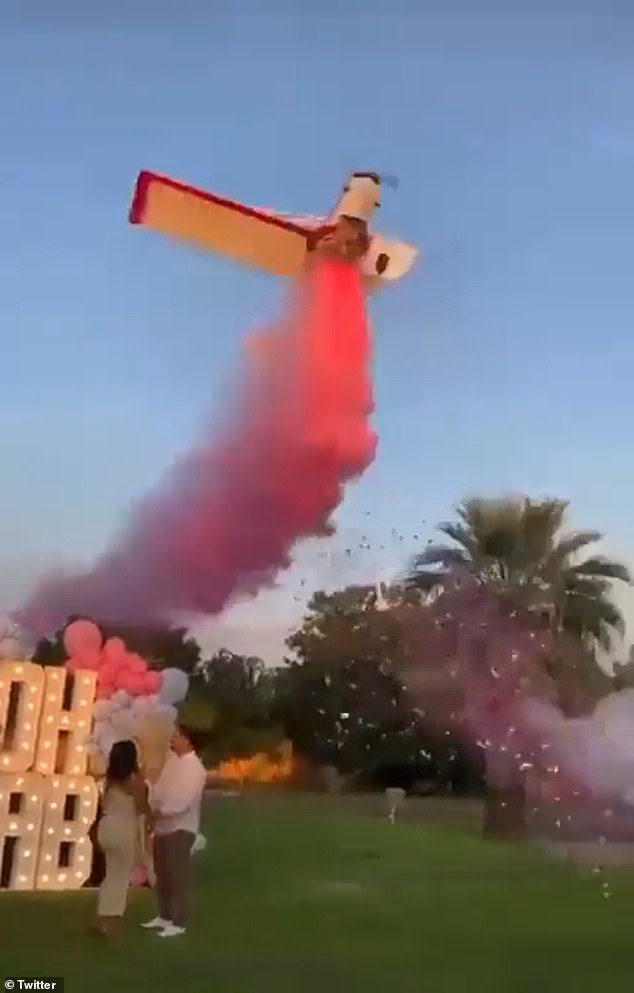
(200,843)
(157,923)
(171,931)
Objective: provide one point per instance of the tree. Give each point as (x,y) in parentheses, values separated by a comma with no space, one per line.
(341,700)
(339,688)
(162,647)
(240,692)
(198,713)
(236,684)
(518,546)
(518,549)
(346,625)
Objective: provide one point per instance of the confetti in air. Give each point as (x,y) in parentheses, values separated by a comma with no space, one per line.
(476,663)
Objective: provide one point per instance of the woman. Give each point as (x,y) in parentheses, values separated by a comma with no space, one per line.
(125,800)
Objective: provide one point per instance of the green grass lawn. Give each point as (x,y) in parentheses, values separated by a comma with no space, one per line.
(317,894)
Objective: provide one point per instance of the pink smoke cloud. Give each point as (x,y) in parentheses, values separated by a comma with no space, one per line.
(226,517)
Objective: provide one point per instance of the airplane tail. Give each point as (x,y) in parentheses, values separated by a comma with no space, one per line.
(387,260)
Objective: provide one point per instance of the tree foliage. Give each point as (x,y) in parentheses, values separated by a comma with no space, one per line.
(239,691)
(342,702)
(520,546)
(162,647)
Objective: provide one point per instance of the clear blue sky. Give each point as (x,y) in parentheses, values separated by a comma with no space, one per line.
(504,362)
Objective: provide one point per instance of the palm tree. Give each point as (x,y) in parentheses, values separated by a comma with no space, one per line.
(518,547)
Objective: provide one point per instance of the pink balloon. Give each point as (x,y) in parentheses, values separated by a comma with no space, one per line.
(152,682)
(104,691)
(105,677)
(126,681)
(82,636)
(137,684)
(114,652)
(87,660)
(114,668)
(137,664)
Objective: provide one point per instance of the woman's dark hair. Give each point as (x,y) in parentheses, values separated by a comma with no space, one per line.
(123,761)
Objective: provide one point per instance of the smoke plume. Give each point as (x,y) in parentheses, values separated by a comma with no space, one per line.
(225,518)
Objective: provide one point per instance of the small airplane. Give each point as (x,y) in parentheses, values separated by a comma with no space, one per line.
(277,243)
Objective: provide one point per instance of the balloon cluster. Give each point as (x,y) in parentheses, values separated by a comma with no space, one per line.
(117,668)
(129,693)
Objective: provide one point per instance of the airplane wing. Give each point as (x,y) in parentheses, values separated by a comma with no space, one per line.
(306,221)
(249,235)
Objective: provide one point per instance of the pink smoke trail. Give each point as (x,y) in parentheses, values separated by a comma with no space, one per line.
(228,513)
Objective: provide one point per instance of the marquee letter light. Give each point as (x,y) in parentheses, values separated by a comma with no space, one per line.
(70,809)
(21,807)
(61,746)
(24,682)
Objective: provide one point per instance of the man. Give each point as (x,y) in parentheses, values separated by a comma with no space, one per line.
(176,803)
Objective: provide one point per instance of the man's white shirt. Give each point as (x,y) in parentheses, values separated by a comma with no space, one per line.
(178,794)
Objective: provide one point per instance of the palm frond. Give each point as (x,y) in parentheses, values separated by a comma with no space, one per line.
(426,582)
(593,620)
(562,555)
(588,587)
(516,544)
(462,535)
(440,555)
(602,568)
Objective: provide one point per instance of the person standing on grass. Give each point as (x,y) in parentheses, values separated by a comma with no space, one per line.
(125,802)
(176,804)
